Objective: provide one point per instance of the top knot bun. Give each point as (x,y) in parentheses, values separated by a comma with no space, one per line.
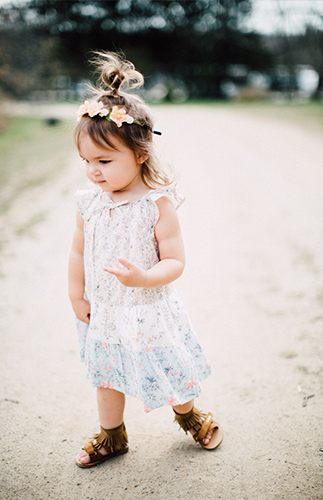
(116,71)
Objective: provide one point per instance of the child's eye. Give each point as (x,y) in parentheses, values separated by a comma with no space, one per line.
(104,162)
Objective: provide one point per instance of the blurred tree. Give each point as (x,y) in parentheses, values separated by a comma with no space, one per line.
(26,59)
(291,53)
(310,47)
(295,47)
(194,41)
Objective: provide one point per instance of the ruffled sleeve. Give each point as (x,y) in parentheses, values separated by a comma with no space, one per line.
(85,200)
(170,192)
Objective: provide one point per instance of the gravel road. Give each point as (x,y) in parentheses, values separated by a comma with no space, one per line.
(253,286)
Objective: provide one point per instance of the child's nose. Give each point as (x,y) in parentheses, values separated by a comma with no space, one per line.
(94,170)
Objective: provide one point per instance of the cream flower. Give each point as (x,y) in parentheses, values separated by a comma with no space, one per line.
(82,110)
(92,108)
(118,116)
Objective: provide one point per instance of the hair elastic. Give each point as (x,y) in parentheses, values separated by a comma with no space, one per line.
(114,114)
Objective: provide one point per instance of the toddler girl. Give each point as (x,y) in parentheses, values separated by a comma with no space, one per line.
(135,336)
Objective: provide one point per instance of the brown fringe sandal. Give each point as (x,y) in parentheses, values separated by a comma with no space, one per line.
(114,441)
(191,420)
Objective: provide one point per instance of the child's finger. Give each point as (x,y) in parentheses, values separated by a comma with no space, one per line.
(126,263)
(112,270)
(110,267)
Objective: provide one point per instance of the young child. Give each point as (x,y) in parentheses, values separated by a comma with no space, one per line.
(135,336)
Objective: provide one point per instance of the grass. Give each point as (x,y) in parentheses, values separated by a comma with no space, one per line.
(32,153)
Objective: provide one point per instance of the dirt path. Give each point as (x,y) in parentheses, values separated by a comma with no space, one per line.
(253,286)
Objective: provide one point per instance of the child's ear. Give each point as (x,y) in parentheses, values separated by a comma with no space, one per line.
(142,157)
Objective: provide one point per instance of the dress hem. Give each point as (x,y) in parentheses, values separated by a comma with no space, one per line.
(172,401)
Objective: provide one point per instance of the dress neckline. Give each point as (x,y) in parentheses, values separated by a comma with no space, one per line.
(105,197)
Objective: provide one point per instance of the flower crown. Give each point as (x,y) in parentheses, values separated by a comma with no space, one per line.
(114,114)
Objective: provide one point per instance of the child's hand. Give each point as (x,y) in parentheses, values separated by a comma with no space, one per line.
(129,275)
(82,310)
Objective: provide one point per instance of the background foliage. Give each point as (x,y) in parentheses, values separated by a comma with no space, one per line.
(190,40)
(44,44)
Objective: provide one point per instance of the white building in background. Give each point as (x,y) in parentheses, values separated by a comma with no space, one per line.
(307,80)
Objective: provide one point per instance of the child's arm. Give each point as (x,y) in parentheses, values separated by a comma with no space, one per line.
(171,253)
(76,279)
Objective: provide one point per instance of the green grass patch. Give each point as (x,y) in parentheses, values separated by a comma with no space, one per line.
(32,153)
(18,130)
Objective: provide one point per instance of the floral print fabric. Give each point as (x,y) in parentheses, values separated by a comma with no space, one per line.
(140,340)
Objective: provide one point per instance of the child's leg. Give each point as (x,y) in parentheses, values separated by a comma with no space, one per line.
(111,405)
(185,408)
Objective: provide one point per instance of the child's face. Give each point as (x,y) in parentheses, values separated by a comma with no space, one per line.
(112,169)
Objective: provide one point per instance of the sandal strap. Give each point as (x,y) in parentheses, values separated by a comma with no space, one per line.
(112,440)
(89,448)
(205,427)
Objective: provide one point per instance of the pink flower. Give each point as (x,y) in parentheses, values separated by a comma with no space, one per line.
(172,401)
(107,385)
(118,116)
(190,383)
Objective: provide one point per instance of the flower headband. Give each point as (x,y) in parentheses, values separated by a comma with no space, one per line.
(114,114)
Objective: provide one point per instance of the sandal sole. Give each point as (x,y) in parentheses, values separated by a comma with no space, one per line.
(93,464)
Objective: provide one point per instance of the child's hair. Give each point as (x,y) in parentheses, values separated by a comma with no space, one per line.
(115,72)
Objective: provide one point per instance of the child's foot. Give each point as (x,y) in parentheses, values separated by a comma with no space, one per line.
(84,457)
(208,437)
(203,428)
(107,444)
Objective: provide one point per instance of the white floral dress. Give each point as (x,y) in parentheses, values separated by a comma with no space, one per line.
(140,340)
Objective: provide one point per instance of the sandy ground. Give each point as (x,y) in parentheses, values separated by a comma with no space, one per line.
(253,286)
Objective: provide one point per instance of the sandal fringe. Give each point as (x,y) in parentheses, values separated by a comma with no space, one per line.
(114,441)
(188,420)
(111,439)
